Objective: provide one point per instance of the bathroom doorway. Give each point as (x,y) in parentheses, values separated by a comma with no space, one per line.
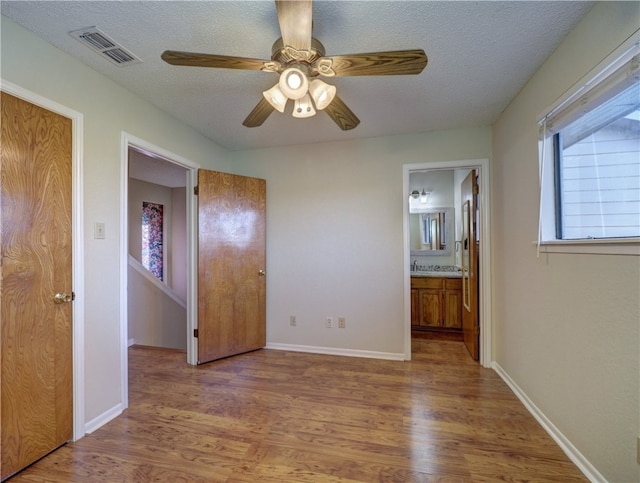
(444,197)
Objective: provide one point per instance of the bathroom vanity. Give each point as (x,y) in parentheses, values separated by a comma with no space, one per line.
(436,302)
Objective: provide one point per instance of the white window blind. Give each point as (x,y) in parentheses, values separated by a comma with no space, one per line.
(595,130)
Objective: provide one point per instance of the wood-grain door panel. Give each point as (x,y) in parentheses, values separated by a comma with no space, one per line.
(231,264)
(36,360)
(470,266)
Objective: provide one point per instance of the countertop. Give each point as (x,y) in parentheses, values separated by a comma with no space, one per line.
(456,274)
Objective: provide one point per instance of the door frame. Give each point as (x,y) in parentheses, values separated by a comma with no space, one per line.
(485,296)
(129,140)
(77,228)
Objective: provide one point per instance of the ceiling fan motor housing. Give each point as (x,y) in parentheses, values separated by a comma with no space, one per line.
(289,57)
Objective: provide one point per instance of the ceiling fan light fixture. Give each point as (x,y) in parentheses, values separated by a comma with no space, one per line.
(303,107)
(276,98)
(293,83)
(322,93)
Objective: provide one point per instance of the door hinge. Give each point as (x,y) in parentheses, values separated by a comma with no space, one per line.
(195,333)
(476,189)
(476,330)
(195,190)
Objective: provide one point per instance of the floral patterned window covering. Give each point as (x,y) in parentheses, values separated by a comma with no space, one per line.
(152,227)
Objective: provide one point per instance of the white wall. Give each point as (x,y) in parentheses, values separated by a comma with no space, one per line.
(566,325)
(334,233)
(140,191)
(175,229)
(155,318)
(108,109)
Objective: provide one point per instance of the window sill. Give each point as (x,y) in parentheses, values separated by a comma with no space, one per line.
(611,246)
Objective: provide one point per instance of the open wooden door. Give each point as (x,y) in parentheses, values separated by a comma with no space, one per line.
(36,343)
(231,264)
(470,266)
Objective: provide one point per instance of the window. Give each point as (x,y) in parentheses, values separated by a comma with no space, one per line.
(590,156)
(597,161)
(152,230)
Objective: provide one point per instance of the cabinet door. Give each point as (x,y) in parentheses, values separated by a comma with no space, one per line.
(453,309)
(431,308)
(415,306)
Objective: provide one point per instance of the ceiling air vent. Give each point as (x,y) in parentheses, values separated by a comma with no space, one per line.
(99,42)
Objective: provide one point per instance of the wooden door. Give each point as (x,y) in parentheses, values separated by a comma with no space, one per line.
(470,248)
(231,264)
(36,343)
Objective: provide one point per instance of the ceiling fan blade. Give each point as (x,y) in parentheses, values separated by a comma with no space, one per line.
(399,62)
(259,114)
(341,114)
(295,19)
(221,61)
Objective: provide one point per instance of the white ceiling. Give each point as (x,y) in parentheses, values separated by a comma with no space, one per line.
(480,55)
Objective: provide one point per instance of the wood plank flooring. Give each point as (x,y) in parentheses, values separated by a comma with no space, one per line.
(292,417)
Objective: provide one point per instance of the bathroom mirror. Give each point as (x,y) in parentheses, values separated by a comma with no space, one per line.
(431,232)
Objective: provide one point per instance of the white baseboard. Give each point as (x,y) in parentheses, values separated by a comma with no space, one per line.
(569,449)
(391,356)
(103,419)
(130,342)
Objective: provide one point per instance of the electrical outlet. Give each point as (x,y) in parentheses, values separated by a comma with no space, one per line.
(329,322)
(342,322)
(292,320)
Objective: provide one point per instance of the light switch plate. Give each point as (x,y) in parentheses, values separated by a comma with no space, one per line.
(98,230)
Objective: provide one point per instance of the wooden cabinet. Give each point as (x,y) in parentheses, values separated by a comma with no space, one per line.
(436,303)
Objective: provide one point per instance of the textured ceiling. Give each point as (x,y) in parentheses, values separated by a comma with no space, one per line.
(480,55)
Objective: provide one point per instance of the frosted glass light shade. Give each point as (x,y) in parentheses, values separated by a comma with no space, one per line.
(293,83)
(322,93)
(303,107)
(276,98)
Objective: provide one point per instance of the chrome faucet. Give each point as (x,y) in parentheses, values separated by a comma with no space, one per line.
(414,266)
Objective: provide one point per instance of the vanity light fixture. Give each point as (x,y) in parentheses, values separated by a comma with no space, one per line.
(422,195)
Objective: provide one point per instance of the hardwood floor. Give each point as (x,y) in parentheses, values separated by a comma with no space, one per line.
(292,417)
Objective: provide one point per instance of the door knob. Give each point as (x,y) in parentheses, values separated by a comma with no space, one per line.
(261,273)
(61,297)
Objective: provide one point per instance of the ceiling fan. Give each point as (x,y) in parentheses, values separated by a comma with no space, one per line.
(300,59)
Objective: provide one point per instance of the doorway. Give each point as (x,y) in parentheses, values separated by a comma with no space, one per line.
(130,142)
(481,167)
(157,255)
